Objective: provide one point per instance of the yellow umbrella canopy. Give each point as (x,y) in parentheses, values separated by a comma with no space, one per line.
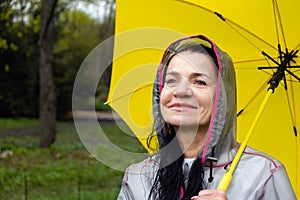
(249,31)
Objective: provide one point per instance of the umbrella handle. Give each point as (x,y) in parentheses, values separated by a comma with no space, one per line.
(226,179)
(224,183)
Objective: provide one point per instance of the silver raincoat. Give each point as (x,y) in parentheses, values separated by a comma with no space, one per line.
(257,176)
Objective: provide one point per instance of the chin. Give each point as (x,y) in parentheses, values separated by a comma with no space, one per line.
(183,122)
(186,121)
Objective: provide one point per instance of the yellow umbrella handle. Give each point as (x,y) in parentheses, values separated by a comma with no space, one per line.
(226,179)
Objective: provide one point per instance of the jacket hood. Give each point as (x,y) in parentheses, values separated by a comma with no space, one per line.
(221,134)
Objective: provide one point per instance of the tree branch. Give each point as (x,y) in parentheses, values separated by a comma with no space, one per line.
(49,16)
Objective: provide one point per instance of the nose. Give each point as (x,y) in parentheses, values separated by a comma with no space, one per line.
(183,89)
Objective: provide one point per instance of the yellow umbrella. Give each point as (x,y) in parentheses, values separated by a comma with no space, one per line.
(145,28)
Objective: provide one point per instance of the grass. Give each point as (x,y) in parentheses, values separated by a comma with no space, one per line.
(64,171)
(9,123)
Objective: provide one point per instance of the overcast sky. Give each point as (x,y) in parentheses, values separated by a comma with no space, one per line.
(95,10)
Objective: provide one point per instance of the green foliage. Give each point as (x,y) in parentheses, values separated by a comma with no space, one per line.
(73,29)
(10,123)
(64,171)
(18,63)
(76,35)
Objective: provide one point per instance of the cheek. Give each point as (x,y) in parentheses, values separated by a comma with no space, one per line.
(206,99)
(164,96)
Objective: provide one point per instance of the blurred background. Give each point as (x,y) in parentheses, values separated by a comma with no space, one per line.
(42,45)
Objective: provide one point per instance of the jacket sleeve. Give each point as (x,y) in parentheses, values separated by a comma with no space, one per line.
(125,192)
(278,186)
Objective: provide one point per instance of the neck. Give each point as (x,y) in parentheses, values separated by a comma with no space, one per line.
(191,140)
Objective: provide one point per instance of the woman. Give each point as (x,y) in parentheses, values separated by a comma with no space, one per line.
(194,107)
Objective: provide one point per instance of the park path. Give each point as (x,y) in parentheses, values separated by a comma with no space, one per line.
(101,115)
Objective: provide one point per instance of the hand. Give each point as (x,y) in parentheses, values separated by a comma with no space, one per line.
(211,195)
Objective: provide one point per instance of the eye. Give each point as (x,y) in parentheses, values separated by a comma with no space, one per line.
(200,82)
(170,81)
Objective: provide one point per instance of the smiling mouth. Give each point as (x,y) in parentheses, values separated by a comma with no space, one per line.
(182,106)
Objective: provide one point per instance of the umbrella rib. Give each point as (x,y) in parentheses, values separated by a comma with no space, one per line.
(260,68)
(297,46)
(293,75)
(266,72)
(292,109)
(233,23)
(254,96)
(128,93)
(284,81)
(277,13)
(250,60)
(269,57)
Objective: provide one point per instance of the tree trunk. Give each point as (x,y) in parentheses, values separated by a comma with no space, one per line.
(47,107)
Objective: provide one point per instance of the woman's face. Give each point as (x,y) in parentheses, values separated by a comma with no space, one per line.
(189,90)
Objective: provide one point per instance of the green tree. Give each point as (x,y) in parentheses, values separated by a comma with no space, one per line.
(18,52)
(23,32)
(107,29)
(70,50)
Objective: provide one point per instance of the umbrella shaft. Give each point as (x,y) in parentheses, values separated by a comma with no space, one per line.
(224,183)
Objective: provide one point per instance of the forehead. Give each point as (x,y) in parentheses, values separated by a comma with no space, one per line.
(193,62)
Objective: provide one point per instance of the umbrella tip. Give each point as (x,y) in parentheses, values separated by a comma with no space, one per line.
(295,131)
(220,16)
(240,112)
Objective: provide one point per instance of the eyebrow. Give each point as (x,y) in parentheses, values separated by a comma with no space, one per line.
(193,75)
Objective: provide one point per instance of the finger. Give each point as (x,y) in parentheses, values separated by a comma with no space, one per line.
(216,194)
